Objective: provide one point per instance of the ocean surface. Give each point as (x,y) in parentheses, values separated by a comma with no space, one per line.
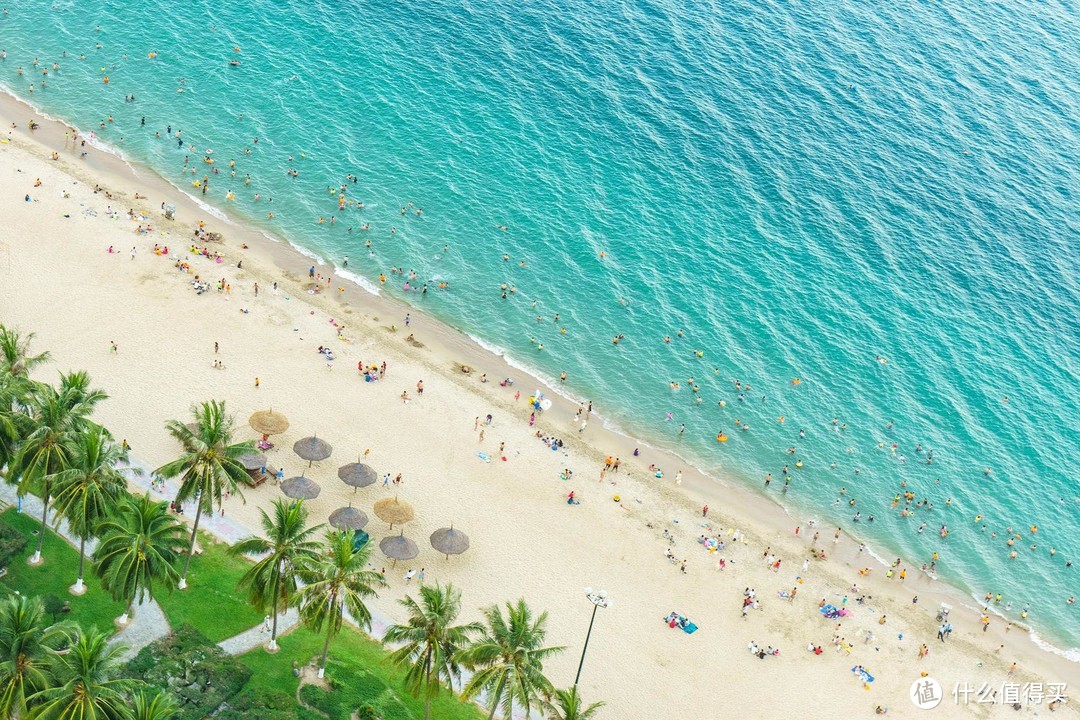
(878,200)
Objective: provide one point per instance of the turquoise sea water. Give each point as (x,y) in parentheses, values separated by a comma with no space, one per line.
(801,188)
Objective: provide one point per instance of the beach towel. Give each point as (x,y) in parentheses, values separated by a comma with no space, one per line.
(484,456)
(690,628)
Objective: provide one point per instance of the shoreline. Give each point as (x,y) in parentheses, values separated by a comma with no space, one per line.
(290,258)
(442,345)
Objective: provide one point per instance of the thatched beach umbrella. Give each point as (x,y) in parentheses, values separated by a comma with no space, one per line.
(268,422)
(312,449)
(449,541)
(394,511)
(357,475)
(252,460)
(300,488)
(348,518)
(399,547)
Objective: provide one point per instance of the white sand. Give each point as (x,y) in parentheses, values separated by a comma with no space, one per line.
(57,280)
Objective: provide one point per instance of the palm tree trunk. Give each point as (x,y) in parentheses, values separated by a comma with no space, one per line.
(191,549)
(273,629)
(82,559)
(427,690)
(325,649)
(44,523)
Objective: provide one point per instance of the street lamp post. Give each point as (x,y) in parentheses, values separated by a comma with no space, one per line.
(599,600)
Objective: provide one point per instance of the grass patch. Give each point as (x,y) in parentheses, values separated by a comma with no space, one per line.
(56,575)
(359,672)
(212,604)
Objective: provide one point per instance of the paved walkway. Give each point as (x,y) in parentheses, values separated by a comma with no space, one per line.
(259,635)
(224,528)
(148,623)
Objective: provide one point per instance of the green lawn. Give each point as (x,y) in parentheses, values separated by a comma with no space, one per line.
(56,575)
(359,671)
(211,603)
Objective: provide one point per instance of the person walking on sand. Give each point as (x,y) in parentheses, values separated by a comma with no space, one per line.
(419,388)
(257,382)
(132,252)
(704,511)
(678,478)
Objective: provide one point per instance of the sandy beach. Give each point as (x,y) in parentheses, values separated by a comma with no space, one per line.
(60,281)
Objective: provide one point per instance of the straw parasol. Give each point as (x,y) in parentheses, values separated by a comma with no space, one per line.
(268,422)
(357,475)
(300,488)
(348,518)
(312,449)
(399,547)
(252,460)
(449,541)
(394,511)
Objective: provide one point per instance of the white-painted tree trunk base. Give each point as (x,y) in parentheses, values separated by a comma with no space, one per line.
(79,588)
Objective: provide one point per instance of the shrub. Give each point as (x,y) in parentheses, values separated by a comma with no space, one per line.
(367,712)
(259,705)
(199,674)
(12,542)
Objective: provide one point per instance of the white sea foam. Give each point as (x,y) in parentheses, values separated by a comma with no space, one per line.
(307,253)
(549,382)
(359,280)
(1072,654)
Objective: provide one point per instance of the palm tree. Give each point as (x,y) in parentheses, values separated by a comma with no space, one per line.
(272,582)
(155,706)
(568,705)
(429,642)
(27,641)
(12,418)
(86,683)
(139,545)
(90,488)
(336,582)
(210,465)
(15,357)
(508,659)
(57,416)
(15,385)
